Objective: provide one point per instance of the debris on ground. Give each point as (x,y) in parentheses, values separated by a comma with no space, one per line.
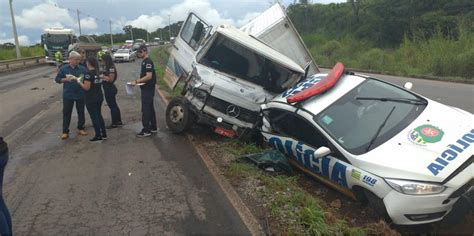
(336,204)
(271,161)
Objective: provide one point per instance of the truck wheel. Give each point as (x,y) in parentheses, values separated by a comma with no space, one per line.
(377,204)
(179,117)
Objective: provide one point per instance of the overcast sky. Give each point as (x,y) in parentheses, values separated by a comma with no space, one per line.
(32,16)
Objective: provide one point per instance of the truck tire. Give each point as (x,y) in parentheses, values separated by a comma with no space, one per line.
(179,118)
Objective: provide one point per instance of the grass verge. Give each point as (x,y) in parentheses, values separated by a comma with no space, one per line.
(292,209)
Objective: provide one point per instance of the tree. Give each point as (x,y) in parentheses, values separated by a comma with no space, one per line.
(355,4)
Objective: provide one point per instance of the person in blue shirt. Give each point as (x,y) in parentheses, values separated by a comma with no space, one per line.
(5,218)
(94,97)
(72,93)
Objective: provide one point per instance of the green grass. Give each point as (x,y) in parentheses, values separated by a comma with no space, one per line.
(33,51)
(436,56)
(295,210)
(160,57)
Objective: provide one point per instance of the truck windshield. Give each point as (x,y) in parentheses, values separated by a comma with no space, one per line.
(230,57)
(356,124)
(58,38)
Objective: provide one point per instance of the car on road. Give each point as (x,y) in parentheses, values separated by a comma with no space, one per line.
(138,43)
(124,55)
(410,157)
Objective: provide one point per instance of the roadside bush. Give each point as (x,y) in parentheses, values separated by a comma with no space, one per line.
(438,55)
(374,59)
(465,64)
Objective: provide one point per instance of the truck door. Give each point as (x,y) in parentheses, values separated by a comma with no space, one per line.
(187,43)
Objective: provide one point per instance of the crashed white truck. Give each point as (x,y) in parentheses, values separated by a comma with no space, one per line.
(229,72)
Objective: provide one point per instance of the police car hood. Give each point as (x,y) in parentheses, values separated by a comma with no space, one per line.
(431,148)
(232,89)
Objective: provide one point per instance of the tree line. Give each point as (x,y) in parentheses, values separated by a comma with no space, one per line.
(404,37)
(139,33)
(384,22)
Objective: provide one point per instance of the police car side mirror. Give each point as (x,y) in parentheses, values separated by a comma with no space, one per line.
(322,152)
(408,85)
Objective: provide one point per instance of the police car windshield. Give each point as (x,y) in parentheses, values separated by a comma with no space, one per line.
(352,122)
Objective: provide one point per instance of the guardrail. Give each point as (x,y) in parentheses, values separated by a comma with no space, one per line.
(7,65)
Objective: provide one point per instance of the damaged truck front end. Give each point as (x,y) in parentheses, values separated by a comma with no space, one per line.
(227,75)
(232,75)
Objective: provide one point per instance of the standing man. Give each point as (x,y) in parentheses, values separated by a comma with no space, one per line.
(72,93)
(148,79)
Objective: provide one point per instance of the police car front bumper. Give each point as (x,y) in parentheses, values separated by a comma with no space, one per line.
(406,209)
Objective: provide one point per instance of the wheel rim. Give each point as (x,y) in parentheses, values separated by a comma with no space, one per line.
(176,114)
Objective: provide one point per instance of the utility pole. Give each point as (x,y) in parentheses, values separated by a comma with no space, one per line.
(161,34)
(111,38)
(79,22)
(147,36)
(17,44)
(169,24)
(131,31)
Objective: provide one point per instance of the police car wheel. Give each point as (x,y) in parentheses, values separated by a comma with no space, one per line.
(179,117)
(377,204)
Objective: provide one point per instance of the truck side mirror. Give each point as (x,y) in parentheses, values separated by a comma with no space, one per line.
(322,152)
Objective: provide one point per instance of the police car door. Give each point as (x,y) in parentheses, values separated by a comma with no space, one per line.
(295,136)
(187,43)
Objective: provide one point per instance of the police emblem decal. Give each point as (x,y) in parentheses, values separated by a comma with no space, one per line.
(424,134)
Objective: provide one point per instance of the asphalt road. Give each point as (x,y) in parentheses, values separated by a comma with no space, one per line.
(452,94)
(125,185)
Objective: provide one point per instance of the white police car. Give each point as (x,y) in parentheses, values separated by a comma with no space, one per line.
(409,156)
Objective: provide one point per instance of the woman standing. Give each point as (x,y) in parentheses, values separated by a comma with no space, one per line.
(110,91)
(5,219)
(93,98)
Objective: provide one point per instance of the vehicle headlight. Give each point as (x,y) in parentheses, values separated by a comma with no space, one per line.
(200,94)
(415,188)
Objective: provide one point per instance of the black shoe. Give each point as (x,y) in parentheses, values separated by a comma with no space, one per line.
(154,130)
(104,136)
(118,124)
(112,126)
(96,140)
(144,134)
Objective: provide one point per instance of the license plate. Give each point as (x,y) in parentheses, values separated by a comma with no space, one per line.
(225,132)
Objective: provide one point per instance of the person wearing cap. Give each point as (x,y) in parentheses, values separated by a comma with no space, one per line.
(148,78)
(72,93)
(5,218)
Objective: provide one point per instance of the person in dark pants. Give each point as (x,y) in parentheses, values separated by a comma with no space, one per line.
(5,219)
(110,76)
(72,93)
(148,78)
(93,85)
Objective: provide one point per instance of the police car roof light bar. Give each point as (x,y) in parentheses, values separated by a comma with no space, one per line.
(328,82)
